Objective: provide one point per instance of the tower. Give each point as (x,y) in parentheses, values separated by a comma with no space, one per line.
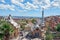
(42,24)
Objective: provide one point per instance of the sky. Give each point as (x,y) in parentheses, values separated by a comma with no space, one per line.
(32,8)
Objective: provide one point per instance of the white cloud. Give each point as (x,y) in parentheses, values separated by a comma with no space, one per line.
(27,5)
(42,3)
(18,2)
(35,5)
(2,1)
(56,3)
(30,6)
(36,2)
(10,7)
(47,3)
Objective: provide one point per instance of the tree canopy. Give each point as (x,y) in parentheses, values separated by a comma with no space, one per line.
(5,26)
(58,27)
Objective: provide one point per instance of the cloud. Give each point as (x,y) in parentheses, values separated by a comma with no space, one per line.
(42,3)
(36,4)
(10,7)
(18,3)
(56,3)
(2,1)
(30,6)
(27,5)
(45,4)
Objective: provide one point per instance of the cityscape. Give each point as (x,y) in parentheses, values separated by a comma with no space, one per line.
(29,19)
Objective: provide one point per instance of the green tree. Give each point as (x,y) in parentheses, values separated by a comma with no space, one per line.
(22,27)
(5,30)
(48,34)
(58,27)
(49,37)
(33,21)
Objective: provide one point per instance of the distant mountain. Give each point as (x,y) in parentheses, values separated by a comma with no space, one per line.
(53,16)
(19,17)
(24,17)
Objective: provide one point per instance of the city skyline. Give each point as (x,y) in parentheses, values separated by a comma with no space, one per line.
(32,8)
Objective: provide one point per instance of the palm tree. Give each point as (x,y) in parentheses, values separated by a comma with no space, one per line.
(5,30)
